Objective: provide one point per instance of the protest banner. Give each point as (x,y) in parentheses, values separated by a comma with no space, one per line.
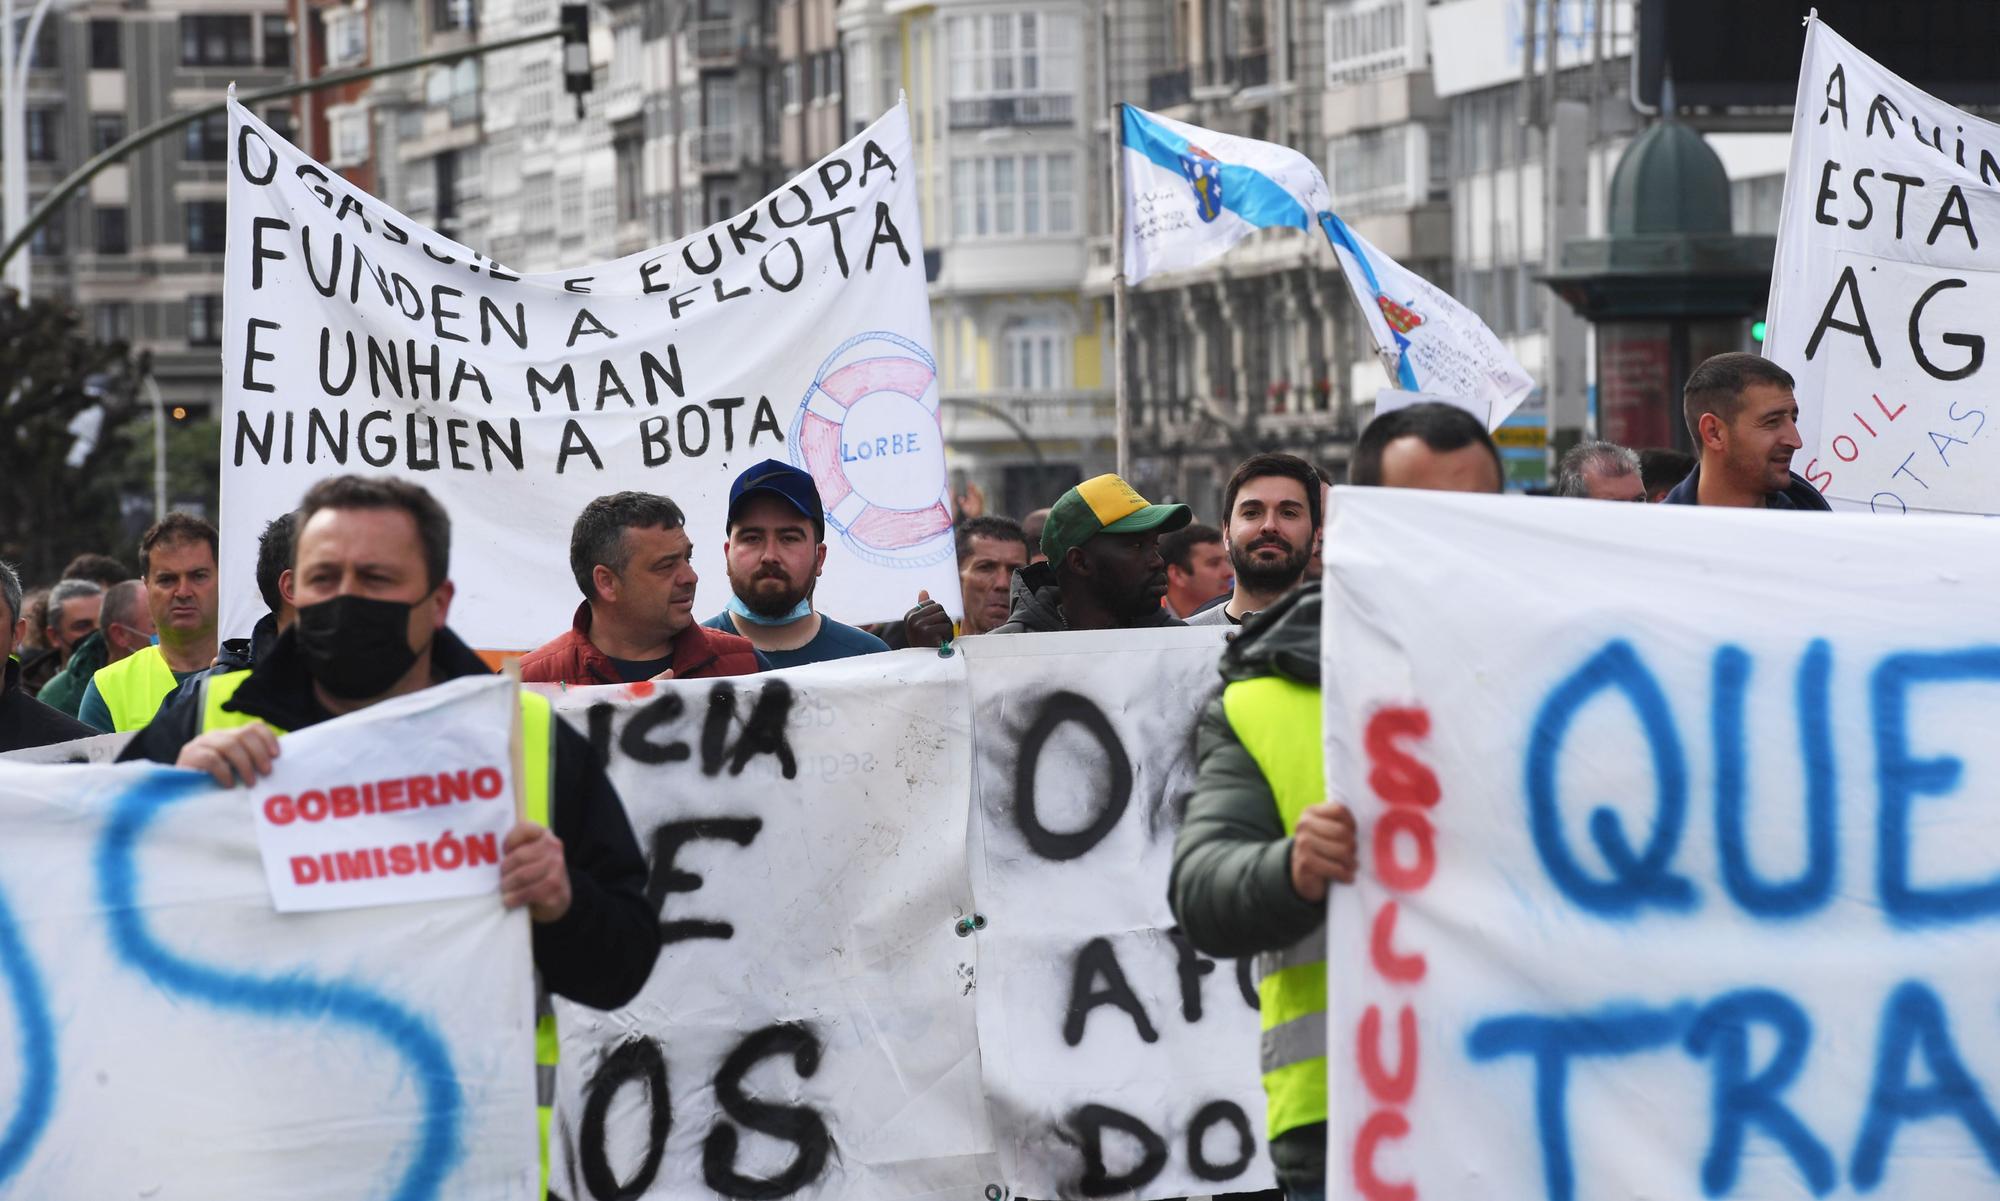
(1118,1061)
(1880,290)
(798,330)
(1679,857)
(849,1002)
(809,1028)
(164,1033)
(426,826)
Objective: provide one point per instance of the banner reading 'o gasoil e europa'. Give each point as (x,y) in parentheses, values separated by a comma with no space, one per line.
(1681,863)
(798,330)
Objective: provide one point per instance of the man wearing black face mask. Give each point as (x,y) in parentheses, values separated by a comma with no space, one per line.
(369,581)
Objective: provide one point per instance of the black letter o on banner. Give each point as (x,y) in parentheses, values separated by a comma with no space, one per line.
(243,137)
(1049,844)
(639,1059)
(1206,1117)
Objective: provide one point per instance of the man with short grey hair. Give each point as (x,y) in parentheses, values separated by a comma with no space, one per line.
(1600,471)
(73,610)
(25,721)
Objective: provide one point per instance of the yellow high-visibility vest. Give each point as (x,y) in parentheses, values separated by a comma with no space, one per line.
(538,779)
(1278,721)
(134,686)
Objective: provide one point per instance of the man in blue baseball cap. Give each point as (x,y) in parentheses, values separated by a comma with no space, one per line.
(775,551)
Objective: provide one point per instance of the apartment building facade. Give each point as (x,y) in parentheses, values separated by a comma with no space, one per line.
(139,250)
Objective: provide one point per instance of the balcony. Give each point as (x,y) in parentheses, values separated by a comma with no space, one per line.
(713,43)
(1253,70)
(969,417)
(1168,89)
(987,112)
(715,150)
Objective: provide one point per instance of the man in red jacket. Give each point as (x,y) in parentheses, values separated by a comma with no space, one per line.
(633,560)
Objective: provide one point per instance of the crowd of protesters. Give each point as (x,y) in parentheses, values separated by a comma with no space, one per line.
(357,584)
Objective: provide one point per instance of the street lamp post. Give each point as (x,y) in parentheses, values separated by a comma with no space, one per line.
(15,54)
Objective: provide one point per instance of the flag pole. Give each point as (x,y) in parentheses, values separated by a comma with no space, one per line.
(1121,401)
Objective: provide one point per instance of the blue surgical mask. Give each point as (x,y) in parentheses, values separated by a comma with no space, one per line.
(799,612)
(154,640)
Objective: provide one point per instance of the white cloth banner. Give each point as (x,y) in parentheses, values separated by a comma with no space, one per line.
(845,1005)
(165,1034)
(799,330)
(1119,1062)
(1884,275)
(1681,867)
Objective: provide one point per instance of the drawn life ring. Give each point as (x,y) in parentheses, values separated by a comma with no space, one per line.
(869,434)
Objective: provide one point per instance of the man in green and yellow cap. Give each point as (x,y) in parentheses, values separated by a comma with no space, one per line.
(1104,570)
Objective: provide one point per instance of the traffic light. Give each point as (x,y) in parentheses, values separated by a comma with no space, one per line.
(576,52)
(1757,332)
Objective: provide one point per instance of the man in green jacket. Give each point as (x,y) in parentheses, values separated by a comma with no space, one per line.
(1262,846)
(125,626)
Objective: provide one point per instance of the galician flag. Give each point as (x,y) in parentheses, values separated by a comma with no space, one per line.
(1192,193)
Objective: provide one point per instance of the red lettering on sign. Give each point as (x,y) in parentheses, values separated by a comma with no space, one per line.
(1404,877)
(1383,1124)
(1390,963)
(1391,1088)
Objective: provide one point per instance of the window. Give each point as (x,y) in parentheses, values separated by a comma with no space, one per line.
(1365,38)
(1002,54)
(1004,196)
(1380,169)
(346,35)
(629,153)
(113,234)
(112,322)
(207,226)
(216,41)
(1034,355)
(207,140)
(48,236)
(43,135)
(451,14)
(790,77)
(107,46)
(538,203)
(349,131)
(280,120)
(204,320)
(106,131)
(277,40)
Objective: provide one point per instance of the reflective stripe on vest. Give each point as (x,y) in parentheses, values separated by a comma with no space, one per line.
(1278,722)
(133,687)
(538,781)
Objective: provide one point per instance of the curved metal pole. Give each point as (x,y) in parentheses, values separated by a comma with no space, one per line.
(152,133)
(1004,418)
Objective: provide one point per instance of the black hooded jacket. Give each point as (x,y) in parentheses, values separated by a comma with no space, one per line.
(1037,604)
(601,952)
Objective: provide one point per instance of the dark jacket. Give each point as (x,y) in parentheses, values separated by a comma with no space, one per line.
(235,654)
(26,722)
(602,950)
(699,653)
(1037,604)
(1799,494)
(65,692)
(1231,884)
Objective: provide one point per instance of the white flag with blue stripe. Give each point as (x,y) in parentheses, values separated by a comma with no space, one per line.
(1192,193)
(1427,340)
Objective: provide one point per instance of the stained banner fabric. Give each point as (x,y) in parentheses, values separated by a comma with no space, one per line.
(808,1030)
(164,1033)
(907,952)
(1880,288)
(1118,1060)
(1679,876)
(798,330)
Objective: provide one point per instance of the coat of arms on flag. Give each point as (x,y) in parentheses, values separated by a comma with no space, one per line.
(1400,319)
(1204,175)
